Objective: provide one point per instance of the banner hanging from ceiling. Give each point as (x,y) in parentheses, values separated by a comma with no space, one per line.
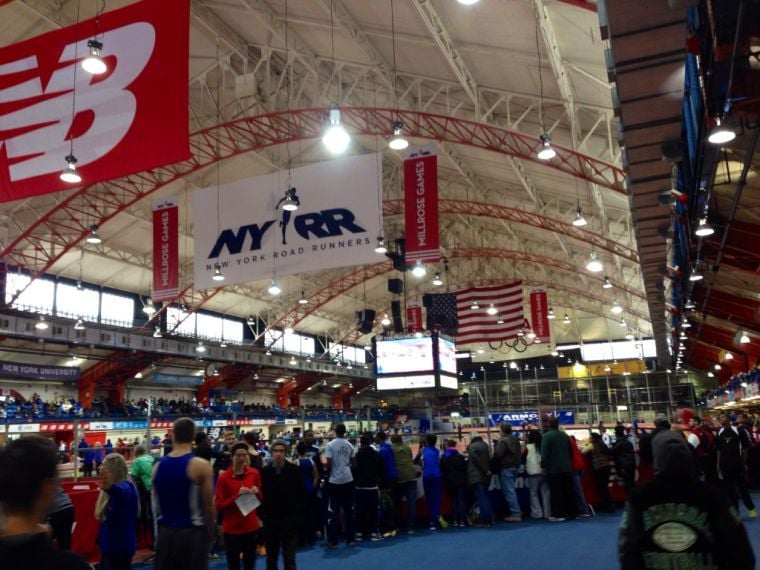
(246,230)
(421,205)
(165,250)
(539,314)
(120,122)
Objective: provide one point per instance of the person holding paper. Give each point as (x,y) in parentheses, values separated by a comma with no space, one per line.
(238,495)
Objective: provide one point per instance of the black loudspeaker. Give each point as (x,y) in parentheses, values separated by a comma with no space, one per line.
(365,320)
(398,323)
(395,286)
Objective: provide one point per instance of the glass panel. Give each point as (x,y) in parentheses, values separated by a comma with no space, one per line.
(117,310)
(36,297)
(77,303)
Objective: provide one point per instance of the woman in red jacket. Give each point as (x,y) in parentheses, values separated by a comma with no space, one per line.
(235,489)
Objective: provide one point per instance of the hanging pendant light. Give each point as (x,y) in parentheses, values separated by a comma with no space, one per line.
(704,229)
(336,139)
(721,134)
(743,338)
(474,305)
(607,283)
(218,276)
(566,320)
(546,152)
(69,174)
(385,321)
(93,238)
(398,142)
(79,325)
(94,63)
(380,247)
(594,265)
(149,308)
(616,308)
(579,221)
(437,281)
(274,289)
(550,315)
(419,270)
(303,300)
(491,310)
(290,204)
(500,320)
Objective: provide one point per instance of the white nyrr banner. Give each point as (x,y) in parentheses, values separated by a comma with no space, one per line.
(336,224)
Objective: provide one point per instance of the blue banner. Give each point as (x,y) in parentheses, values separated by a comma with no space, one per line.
(135,424)
(177,379)
(565,417)
(22,370)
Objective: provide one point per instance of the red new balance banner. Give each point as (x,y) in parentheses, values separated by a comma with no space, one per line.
(165,250)
(421,205)
(131,118)
(539,314)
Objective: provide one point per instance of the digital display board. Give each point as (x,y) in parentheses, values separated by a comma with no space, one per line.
(404,355)
(450,382)
(406,382)
(447,356)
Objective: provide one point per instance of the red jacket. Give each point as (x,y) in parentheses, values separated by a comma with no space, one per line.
(227,490)
(577,463)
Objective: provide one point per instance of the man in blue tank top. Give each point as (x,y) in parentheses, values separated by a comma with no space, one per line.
(183,497)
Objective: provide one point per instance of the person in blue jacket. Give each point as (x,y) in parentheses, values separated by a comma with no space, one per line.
(117,509)
(431,478)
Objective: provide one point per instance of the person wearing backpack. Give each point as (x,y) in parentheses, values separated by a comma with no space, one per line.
(600,466)
(507,458)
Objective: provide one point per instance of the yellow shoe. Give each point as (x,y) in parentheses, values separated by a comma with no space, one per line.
(442,521)
(752,513)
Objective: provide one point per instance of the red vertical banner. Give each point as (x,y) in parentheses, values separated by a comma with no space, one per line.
(165,250)
(539,314)
(421,205)
(414,318)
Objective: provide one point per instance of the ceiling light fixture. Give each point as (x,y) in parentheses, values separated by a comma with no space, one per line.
(380,247)
(616,308)
(500,320)
(520,333)
(728,356)
(157,333)
(468,2)
(268,352)
(41,324)
(474,305)
(149,308)
(717,367)
(217,273)
(93,237)
(419,270)
(704,229)
(69,174)
(274,289)
(385,321)
(398,142)
(743,338)
(437,281)
(303,300)
(566,320)
(200,348)
(94,63)
(79,325)
(721,134)
(696,275)
(546,152)
(579,221)
(336,139)
(223,344)
(491,310)
(689,305)
(531,335)
(290,202)
(607,283)
(292,361)
(594,264)
(550,314)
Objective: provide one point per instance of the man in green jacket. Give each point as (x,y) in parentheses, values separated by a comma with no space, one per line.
(142,467)
(406,483)
(555,462)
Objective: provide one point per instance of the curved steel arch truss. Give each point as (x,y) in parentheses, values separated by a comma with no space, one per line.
(42,244)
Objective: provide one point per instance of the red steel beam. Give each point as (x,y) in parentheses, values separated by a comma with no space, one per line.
(742,311)
(507,214)
(710,334)
(738,252)
(60,229)
(227,374)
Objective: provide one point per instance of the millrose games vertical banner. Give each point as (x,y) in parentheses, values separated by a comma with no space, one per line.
(131,118)
(421,205)
(165,250)
(539,313)
(336,222)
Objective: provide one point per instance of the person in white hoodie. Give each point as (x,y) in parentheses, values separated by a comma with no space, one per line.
(540,500)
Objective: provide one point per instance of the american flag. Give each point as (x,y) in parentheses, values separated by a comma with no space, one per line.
(452,312)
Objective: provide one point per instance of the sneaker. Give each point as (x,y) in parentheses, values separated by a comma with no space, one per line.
(584,515)
(358,537)
(390,533)
(213,556)
(443,522)
(752,513)
(433,528)
(331,545)
(513,518)
(375,536)
(410,531)
(351,543)
(556,519)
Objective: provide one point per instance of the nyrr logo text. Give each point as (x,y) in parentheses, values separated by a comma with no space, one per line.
(320,225)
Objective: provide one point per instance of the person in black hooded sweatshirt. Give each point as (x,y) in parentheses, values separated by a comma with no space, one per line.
(677,521)
(28,482)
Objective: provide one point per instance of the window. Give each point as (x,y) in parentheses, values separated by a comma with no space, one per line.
(622,350)
(77,303)
(186,322)
(347,353)
(233,330)
(36,297)
(289,342)
(209,327)
(117,310)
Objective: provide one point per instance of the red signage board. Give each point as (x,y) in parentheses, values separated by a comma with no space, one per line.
(539,314)
(116,123)
(421,206)
(165,250)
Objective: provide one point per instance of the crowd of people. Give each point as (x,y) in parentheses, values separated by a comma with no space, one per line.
(272,497)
